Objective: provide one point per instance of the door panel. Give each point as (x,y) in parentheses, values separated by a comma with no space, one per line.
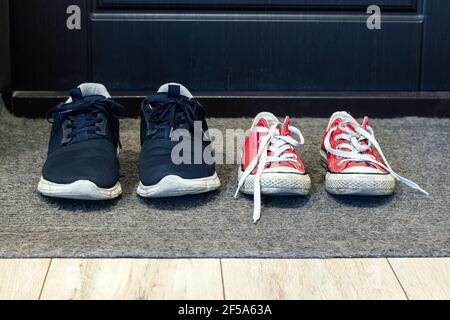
(332,51)
(436,47)
(47,56)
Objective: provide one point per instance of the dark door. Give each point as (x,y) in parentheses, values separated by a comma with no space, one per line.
(233,45)
(256,45)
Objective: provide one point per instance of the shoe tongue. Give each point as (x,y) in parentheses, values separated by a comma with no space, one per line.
(94,89)
(76,95)
(285,127)
(269,120)
(88,90)
(354,125)
(175,90)
(262,123)
(365,123)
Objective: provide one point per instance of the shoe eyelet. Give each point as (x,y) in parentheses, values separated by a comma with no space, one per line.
(151,132)
(67,130)
(101,124)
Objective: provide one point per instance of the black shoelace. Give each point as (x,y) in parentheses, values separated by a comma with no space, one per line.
(171,114)
(83,115)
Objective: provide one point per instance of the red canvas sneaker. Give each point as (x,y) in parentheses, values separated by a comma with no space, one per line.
(354,160)
(270,163)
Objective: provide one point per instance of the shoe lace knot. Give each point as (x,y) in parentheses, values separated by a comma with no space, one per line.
(171,113)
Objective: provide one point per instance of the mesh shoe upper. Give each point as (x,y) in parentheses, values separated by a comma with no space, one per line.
(163,114)
(84,138)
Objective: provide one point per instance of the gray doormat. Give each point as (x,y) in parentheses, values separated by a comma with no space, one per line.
(407,224)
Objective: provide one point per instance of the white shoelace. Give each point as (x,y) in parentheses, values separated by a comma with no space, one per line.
(356,150)
(277,144)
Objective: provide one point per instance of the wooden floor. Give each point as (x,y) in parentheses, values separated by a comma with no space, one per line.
(225,279)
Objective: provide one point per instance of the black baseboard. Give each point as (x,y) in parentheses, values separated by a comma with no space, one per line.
(242,104)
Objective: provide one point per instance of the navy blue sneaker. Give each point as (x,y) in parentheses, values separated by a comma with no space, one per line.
(177,156)
(82,158)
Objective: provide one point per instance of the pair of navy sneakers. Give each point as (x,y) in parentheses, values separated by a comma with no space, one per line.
(83,155)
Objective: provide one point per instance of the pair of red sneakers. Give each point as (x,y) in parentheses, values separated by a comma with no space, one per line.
(352,156)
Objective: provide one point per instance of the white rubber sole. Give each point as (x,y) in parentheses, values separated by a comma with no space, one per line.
(78,190)
(174,186)
(278,184)
(360,184)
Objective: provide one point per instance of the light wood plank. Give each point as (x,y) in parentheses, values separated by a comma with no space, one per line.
(424,278)
(310,279)
(134,279)
(22,279)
